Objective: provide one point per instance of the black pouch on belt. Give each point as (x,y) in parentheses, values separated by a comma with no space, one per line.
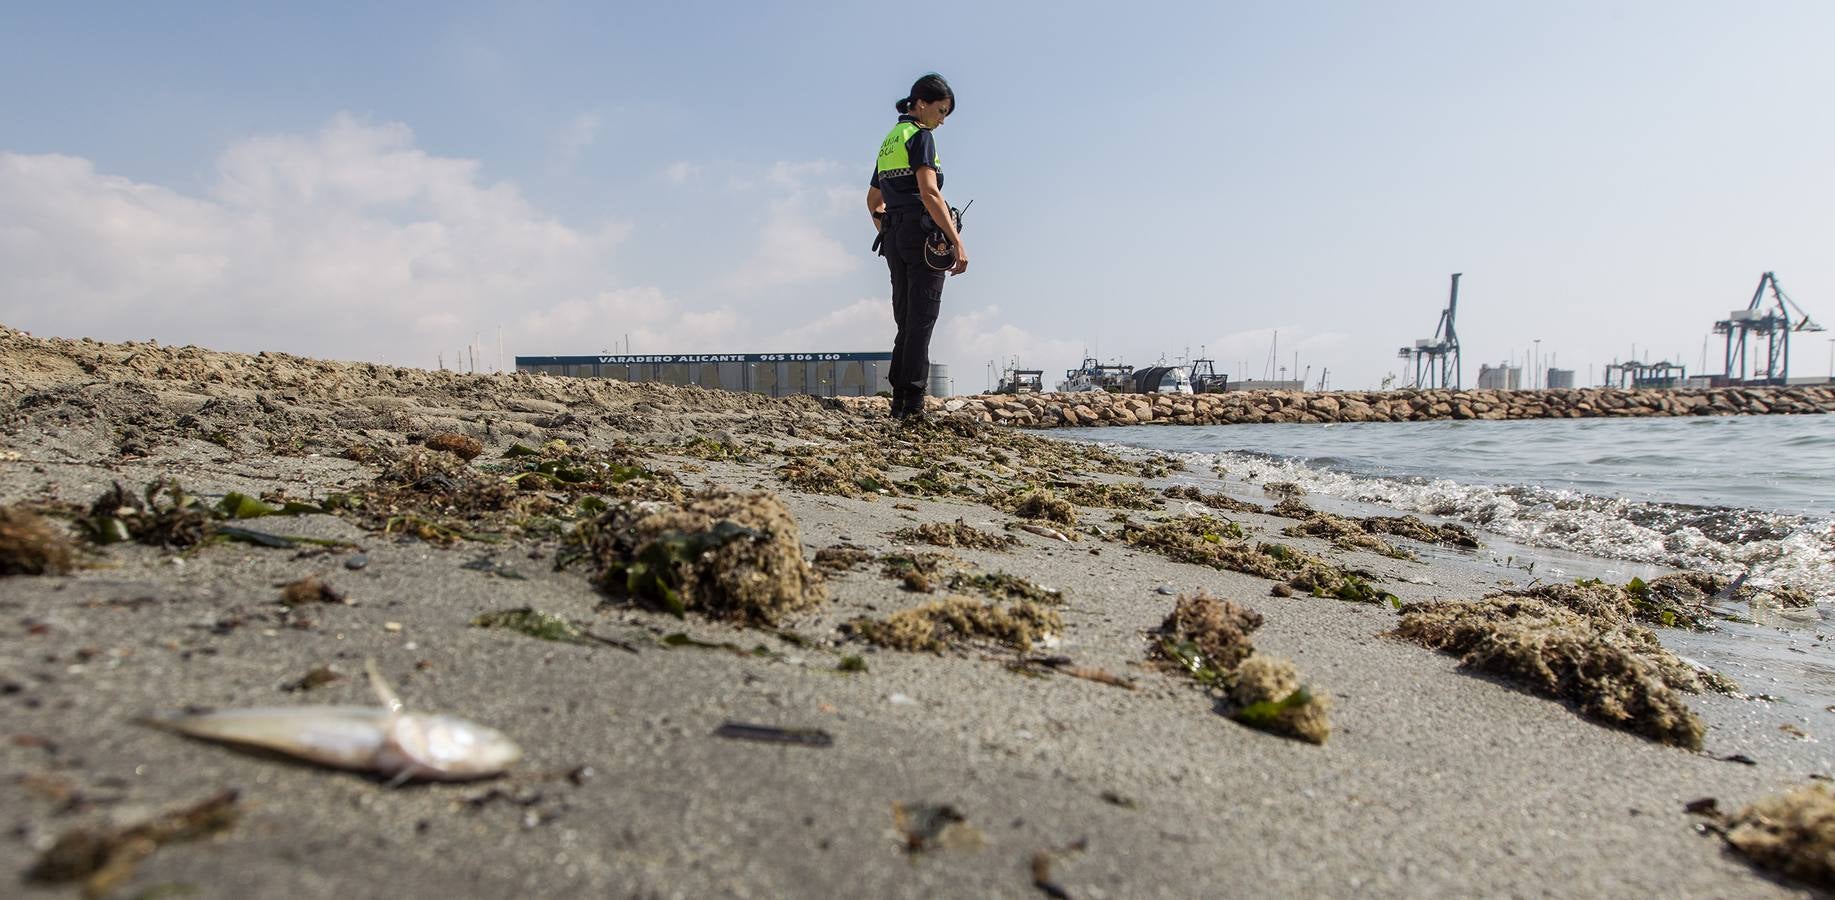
(886,220)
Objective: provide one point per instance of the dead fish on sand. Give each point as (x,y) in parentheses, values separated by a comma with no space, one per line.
(384,740)
(1040,530)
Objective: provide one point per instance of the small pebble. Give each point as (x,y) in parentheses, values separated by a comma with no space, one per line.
(357,561)
(1166,589)
(901,700)
(391,626)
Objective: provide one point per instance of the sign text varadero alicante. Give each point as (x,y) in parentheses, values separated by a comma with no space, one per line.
(682,358)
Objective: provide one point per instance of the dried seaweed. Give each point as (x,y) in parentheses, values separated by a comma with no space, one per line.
(101,859)
(721,553)
(1003,586)
(937,625)
(1041,503)
(955,534)
(1792,834)
(918,572)
(1268,696)
(462,446)
(1206,637)
(1213,500)
(842,558)
(1613,674)
(30,545)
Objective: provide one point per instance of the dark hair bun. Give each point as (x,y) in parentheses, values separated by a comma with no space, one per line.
(903,106)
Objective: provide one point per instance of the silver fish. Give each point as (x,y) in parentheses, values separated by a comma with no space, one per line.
(385,740)
(1040,530)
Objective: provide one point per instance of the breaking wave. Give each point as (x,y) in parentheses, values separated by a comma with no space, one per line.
(1749,494)
(1775,548)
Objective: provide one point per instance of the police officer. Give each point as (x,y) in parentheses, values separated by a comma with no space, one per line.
(906,200)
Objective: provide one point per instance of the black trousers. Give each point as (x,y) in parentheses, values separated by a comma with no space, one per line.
(917,298)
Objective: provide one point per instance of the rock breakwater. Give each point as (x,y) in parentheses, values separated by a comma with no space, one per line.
(1252,407)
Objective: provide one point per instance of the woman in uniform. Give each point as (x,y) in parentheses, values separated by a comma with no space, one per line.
(906,200)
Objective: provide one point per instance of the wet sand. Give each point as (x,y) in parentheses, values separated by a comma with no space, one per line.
(1433,781)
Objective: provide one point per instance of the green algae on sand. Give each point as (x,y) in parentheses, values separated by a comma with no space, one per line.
(721,553)
(1208,639)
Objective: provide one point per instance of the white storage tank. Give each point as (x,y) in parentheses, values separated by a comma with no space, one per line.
(939,380)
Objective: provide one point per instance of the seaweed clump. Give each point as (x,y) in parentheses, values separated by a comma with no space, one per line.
(955,534)
(1041,503)
(842,558)
(1283,490)
(1208,639)
(1673,600)
(532,622)
(1003,586)
(1792,834)
(1344,533)
(918,572)
(29,545)
(163,516)
(432,495)
(938,624)
(1124,495)
(1618,675)
(724,554)
(1267,695)
(1216,542)
(1413,528)
(573,472)
(845,474)
(1213,500)
(462,446)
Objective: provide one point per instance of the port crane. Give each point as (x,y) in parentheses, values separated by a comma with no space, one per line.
(1771,324)
(1436,359)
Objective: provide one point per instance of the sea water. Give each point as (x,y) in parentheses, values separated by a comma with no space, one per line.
(1582,498)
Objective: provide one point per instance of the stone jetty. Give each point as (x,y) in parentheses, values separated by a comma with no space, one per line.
(1250,407)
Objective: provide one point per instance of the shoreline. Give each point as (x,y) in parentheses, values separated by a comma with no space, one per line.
(1096,409)
(1433,780)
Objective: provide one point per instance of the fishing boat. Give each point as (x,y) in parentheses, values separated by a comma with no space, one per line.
(1092,375)
(1162,380)
(1021,381)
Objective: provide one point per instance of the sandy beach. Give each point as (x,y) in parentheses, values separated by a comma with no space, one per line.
(1042,774)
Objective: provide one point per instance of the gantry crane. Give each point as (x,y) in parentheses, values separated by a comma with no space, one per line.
(1774,324)
(1436,359)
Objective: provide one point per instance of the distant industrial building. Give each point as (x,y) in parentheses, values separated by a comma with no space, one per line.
(1559,379)
(772,374)
(1263,384)
(1500,378)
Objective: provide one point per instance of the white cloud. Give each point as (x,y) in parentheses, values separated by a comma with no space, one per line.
(792,249)
(348,243)
(860,326)
(793,243)
(680,171)
(354,243)
(973,339)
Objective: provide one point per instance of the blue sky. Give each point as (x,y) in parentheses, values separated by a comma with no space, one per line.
(1148,178)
